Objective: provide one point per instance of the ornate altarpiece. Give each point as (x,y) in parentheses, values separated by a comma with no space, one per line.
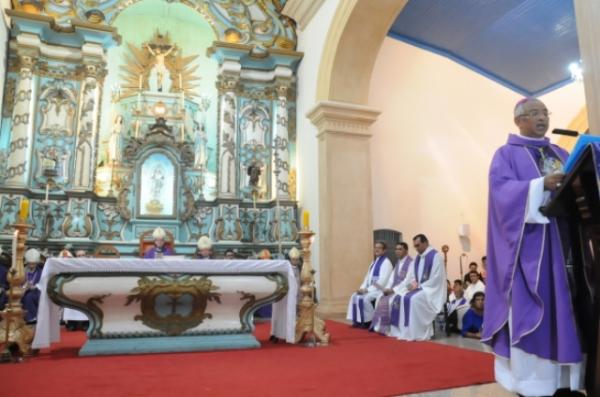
(157,166)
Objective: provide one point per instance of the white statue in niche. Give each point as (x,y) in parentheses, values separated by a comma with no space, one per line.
(160,75)
(115,145)
(158,181)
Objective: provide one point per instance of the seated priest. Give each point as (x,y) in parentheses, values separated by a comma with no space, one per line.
(33,273)
(383,307)
(361,306)
(475,285)
(159,250)
(456,308)
(204,248)
(473,319)
(229,254)
(422,294)
(66,252)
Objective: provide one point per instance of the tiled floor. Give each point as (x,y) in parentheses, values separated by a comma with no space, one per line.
(488,390)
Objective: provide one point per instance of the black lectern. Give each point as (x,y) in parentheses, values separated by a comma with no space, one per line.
(577,204)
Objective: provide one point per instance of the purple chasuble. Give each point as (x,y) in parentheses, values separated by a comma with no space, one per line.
(526,271)
(151,253)
(382,311)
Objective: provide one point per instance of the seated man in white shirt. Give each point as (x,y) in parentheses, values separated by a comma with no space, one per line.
(456,308)
(422,294)
(475,285)
(361,305)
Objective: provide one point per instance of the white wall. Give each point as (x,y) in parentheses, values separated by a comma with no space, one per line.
(433,143)
(311,41)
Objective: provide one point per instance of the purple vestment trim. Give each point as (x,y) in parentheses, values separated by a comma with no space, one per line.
(382,311)
(424,277)
(377,268)
(361,307)
(395,315)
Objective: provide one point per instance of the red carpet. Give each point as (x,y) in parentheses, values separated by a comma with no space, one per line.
(357,363)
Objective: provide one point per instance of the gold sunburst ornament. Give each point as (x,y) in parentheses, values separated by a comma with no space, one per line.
(158,65)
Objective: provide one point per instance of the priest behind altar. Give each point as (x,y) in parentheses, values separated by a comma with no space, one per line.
(360,307)
(421,295)
(529,319)
(159,250)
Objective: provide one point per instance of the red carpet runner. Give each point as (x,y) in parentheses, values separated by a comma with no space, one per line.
(357,363)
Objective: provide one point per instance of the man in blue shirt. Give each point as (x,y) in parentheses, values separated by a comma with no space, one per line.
(473,319)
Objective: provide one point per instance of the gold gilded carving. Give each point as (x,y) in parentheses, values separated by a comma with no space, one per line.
(308,324)
(173,304)
(292,184)
(159,66)
(13,330)
(9,97)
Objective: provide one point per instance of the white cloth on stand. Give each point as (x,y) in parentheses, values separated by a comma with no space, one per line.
(47,331)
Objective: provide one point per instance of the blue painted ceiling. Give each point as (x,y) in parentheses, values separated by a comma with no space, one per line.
(526,45)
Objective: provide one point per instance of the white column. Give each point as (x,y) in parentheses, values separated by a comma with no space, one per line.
(87,128)
(227,151)
(587,15)
(281,151)
(345,199)
(21,140)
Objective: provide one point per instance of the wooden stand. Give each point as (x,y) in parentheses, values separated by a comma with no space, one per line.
(578,204)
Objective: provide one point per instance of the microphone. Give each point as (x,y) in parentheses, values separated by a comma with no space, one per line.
(560,131)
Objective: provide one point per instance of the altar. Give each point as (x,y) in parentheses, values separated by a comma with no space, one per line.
(150,306)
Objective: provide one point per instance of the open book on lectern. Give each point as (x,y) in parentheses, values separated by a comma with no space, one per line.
(582,142)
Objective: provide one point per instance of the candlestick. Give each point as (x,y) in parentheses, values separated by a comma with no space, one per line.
(140,83)
(306,220)
(182,132)
(24,210)
(180,82)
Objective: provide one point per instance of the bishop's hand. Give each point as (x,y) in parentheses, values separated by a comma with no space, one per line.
(553,181)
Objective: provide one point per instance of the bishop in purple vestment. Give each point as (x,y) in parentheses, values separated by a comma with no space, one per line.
(529,319)
(159,250)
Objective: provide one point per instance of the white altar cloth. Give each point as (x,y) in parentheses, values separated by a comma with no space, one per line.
(47,331)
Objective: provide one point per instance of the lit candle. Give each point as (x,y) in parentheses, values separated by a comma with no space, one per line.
(306,220)
(24,210)
(180,82)
(47,190)
(140,83)
(182,132)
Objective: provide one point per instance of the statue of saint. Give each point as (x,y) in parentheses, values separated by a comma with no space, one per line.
(115,146)
(158,181)
(160,67)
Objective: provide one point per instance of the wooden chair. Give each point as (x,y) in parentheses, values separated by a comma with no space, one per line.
(106,251)
(147,241)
